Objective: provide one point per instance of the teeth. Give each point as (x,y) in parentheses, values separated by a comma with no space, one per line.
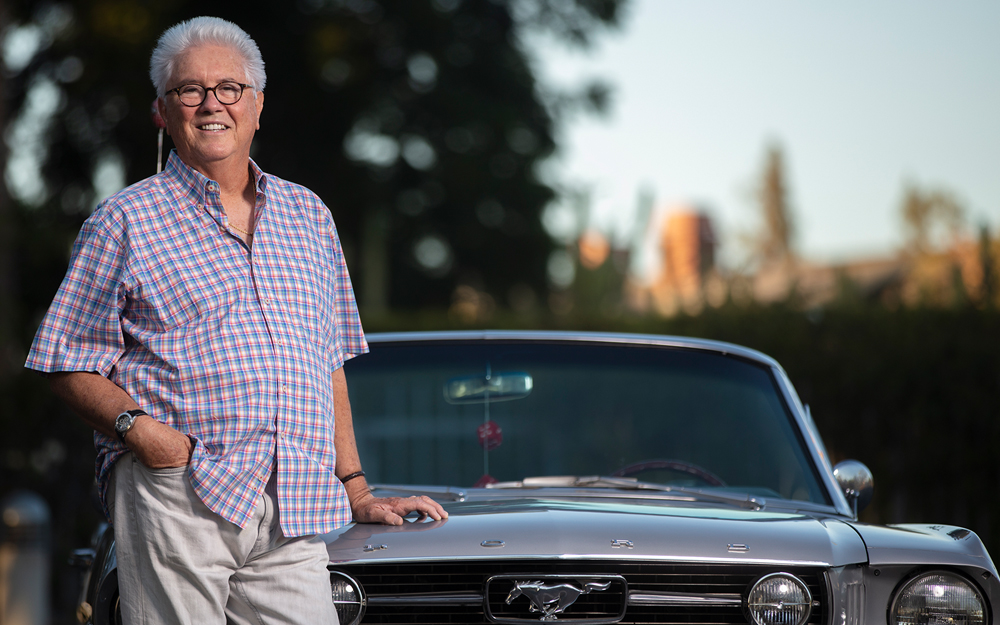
(213,127)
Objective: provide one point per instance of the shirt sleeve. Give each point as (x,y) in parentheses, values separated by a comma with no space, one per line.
(82,329)
(350,337)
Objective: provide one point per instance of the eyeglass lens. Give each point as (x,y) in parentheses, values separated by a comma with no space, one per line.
(225,92)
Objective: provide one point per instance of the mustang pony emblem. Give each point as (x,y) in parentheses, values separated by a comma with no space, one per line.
(552,600)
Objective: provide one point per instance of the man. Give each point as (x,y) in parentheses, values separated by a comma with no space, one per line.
(201,330)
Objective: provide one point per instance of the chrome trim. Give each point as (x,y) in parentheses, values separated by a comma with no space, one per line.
(623,338)
(611,557)
(893,618)
(738,548)
(427,599)
(813,440)
(370,548)
(513,490)
(359,592)
(618,543)
(848,595)
(857,484)
(683,599)
(492,543)
(590,583)
(753,610)
(586,493)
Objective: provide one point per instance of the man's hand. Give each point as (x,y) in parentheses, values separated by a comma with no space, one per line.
(391,510)
(157,445)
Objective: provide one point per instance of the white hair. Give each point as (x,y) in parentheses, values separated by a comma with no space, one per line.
(204,31)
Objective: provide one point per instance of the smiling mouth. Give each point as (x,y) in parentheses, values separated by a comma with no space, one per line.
(212,127)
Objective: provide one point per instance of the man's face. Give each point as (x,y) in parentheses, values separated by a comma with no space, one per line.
(212,134)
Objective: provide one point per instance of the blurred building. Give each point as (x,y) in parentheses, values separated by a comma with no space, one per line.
(594,248)
(688,244)
(966,270)
(686,277)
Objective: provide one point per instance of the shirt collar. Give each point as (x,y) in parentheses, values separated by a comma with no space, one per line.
(202,190)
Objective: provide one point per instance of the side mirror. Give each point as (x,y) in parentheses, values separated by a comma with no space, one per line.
(856,482)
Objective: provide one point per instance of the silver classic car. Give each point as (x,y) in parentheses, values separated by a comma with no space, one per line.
(609,478)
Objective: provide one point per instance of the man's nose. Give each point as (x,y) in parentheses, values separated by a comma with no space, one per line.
(211,101)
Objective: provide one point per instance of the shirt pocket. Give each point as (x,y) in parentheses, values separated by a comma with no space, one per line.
(310,288)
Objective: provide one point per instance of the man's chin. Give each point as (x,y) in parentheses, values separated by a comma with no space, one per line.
(209,156)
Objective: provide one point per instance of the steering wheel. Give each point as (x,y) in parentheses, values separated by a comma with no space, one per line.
(680,466)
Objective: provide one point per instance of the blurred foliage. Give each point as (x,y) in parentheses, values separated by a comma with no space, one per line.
(932,218)
(420,123)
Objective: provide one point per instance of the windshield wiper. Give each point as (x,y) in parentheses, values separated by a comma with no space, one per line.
(627,483)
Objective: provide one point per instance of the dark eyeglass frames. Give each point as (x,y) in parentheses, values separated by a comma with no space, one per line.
(225,93)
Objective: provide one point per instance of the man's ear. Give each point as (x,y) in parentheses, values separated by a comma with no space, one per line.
(162,108)
(259,102)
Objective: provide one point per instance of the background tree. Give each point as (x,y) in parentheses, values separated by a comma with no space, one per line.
(930,217)
(987,263)
(775,243)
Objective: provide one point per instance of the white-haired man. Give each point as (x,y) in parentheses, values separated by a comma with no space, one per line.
(201,330)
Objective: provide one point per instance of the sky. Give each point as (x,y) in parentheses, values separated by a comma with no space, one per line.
(861,97)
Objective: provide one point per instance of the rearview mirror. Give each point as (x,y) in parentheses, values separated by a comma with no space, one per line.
(477,389)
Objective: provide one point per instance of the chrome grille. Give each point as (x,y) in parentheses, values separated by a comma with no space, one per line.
(460,585)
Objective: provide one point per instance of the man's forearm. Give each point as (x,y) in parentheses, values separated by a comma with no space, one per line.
(98,401)
(348,460)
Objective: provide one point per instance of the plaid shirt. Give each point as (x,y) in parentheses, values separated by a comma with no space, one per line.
(233,346)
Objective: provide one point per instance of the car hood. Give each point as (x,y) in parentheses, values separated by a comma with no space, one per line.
(618,529)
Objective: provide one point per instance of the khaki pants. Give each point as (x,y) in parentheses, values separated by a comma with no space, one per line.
(180,563)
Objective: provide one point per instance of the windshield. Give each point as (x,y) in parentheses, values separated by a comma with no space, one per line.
(477,413)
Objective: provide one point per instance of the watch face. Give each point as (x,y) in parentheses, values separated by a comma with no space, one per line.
(124,422)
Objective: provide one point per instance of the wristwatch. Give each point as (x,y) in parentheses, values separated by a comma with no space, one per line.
(125,421)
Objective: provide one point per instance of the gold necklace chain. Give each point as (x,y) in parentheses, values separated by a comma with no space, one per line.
(238,229)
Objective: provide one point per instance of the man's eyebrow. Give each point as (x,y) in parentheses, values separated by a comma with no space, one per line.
(192,81)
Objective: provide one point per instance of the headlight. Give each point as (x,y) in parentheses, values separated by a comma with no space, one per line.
(348,598)
(938,598)
(779,599)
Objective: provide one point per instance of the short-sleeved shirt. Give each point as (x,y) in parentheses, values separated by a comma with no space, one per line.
(233,345)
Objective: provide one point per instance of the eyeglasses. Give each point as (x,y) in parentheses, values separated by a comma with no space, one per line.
(225,93)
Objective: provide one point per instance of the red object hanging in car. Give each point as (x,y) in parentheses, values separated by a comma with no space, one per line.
(490,435)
